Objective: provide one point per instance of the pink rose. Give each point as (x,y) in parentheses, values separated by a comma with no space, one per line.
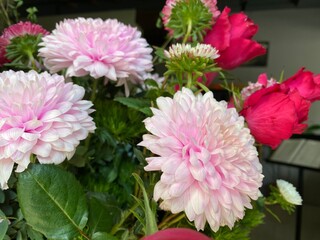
(232,36)
(177,234)
(275,113)
(306,83)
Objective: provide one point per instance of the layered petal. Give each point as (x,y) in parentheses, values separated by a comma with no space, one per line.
(232,36)
(306,83)
(273,114)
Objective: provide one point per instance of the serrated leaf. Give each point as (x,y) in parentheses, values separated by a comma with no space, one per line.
(4,223)
(102,215)
(103,236)
(52,201)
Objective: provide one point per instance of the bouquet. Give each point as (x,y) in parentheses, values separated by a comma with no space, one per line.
(97,144)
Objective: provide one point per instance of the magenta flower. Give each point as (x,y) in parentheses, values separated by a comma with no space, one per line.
(210,167)
(177,234)
(18,30)
(98,48)
(232,36)
(274,114)
(40,114)
(306,83)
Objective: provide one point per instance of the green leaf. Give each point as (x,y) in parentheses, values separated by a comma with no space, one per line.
(151,83)
(138,104)
(151,223)
(103,236)
(4,223)
(2,196)
(52,201)
(102,215)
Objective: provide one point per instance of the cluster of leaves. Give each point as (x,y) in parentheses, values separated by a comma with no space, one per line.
(243,227)
(9,12)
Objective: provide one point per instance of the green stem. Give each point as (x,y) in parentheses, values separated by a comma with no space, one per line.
(92,98)
(116,227)
(172,219)
(189,80)
(185,39)
(5,13)
(94,90)
(32,61)
(84,235)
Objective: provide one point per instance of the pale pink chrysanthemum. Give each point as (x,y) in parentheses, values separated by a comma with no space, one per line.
(97,48)
(167,9)
(18,30)
(40,115)
(209,164)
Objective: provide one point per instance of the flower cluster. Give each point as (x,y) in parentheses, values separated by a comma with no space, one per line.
(195,155)
(275,111)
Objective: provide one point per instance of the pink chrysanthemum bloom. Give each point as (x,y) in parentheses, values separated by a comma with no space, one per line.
(40,114)
(99,48)
(23,28)
(211,5)
(210,166)
(18,30)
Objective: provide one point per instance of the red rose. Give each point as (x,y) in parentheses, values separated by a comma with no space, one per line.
(306,83)
(177,234)
(232,36)
(275,113)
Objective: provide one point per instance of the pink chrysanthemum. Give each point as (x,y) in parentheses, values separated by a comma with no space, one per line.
(99,48)
(209,163)
(167,10)
(18,30)
(40,114)
(23,28)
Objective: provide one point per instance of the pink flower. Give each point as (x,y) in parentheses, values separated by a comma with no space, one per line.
(177,234)
(306,83)
(274,114)
(108,49)
(262,82)
(167,10)
(209,164)
(232,36)
(40,114)
(17,30)
(3,44)
(23,28)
